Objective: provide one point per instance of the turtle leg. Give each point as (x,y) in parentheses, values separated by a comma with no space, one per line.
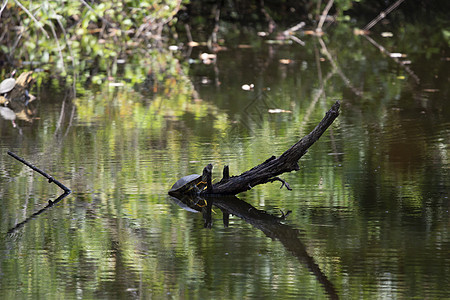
(204,182)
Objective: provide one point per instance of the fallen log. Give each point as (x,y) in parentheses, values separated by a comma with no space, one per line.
(269,170)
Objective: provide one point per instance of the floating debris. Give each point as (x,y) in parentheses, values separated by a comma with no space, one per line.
(248,87)
(357,31)
(286,61)
(278,111)
(208,58)
(397,55)
(116,84)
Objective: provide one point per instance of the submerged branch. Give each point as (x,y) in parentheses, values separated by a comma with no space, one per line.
(269,224)
(395,59)
(338,69)
(272,227)
(50,204)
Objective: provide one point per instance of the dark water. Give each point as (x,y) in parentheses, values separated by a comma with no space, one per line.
(369,206)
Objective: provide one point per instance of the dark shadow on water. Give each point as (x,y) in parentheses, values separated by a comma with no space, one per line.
(269,224)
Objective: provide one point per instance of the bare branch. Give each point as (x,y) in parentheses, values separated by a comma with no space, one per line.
(38,23)
(50,178)
(324,15)
(382,15)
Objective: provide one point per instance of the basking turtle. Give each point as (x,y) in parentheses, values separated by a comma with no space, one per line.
(7,85)
(190,184)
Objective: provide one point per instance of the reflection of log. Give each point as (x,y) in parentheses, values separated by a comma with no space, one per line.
(34,215)
(271,226)
(272,167)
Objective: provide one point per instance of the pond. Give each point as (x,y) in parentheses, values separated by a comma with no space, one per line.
(369,207)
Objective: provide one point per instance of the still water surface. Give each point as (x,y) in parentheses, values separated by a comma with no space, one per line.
(369,207)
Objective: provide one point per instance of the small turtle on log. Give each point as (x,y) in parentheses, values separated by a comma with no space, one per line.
(190,184)
(6,86)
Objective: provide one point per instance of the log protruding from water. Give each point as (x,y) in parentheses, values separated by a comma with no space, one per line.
(269,170)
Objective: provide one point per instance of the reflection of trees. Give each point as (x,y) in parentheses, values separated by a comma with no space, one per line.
(269,225)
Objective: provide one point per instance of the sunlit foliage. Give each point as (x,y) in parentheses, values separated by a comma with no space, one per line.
(82,36)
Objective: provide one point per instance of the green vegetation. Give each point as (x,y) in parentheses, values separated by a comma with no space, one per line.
(94,41)
(84,38)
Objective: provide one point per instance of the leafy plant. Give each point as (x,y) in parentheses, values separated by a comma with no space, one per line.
(74,36)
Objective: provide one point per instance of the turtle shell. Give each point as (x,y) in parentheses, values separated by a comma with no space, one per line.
(7,85)
(188,183)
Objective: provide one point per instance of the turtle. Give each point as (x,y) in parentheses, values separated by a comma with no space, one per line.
(189,184)
(7,85)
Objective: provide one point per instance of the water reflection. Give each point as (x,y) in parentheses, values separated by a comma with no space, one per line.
(34,215)
(270,225)
(66,192)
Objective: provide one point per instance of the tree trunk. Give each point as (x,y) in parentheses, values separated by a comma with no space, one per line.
(272,167)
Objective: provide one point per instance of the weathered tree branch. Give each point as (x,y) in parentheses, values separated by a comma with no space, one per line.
(272,167)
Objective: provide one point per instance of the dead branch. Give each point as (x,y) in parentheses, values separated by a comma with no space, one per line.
(382,15)
(272,167)
(324,15)
(66,190)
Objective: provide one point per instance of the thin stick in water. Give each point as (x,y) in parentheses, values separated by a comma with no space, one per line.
(50,178)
